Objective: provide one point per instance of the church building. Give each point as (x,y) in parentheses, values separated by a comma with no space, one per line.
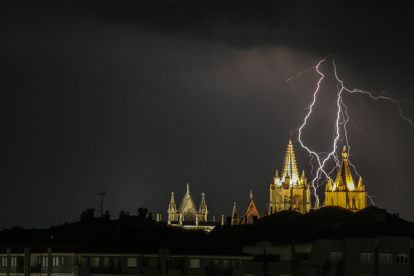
(343,192)
(289,191)
(187,216)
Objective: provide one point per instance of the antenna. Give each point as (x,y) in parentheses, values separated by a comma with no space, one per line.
(102,195)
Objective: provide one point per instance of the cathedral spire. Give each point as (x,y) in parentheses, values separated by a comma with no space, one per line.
(329,186)
(289,167)
(235,216)
(203,208)
(344,179)
(172,206)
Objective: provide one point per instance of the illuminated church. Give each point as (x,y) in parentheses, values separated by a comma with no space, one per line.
(289,191)
(187,216)
(344,192)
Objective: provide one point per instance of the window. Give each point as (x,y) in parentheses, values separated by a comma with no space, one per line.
(216,263)
(94,262)
(386,258)
(233,264)
(45,262)
(402,258)
(194,263)
(226,264)
(55,261)
(336,256)
(366,257)
(106,262)
(13,261)
(132,262)
(63,261)
(4,262)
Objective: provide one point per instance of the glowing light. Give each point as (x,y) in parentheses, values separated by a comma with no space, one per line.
(342,118)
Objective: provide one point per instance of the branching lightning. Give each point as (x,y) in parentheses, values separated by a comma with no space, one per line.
(342,118)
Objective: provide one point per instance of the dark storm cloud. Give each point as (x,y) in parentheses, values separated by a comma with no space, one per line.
(241,23)
(138,98)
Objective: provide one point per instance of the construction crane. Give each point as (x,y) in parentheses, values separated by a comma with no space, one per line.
(102,195)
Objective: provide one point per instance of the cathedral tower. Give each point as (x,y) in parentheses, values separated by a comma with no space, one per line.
(344,192)
(289,191)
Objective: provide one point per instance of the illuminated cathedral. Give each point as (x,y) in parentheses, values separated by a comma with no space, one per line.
(289,191)
(344,192)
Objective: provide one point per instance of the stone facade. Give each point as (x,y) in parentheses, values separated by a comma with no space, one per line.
(289,191)
(344,192)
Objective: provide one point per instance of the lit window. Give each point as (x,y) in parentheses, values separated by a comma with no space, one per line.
(402,258)
(386,258)
(336,256)
(13,261)
(55,261)
(45,262)
(195,263)
(4,262)
(132,262)
(366,257)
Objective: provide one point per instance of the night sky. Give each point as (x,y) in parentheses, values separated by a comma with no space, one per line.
(139,98)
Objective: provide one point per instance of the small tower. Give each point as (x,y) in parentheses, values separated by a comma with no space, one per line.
(234,216)
(203,209)
(250,211)
(343,192)
(289,191)
(172,210)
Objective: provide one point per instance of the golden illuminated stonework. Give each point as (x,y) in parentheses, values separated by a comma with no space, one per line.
(344,192)
(187,216)
(289,191)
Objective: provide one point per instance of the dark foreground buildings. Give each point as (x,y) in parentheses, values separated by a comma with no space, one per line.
(328,241)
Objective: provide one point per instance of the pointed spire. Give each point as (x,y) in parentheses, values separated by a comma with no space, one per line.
(329,185)
(303,174)
(344,179)
(277,174)
(234,216)
(172,210)
(172,206)
(360,182)
(188,188)
(203,207)
(251,193)
(266,213)
(289,167)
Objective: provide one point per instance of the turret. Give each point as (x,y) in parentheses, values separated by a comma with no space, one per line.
(329,186)
(235,216)
(172,210)
(203,209)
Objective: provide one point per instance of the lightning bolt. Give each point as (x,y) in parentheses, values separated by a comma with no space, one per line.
(342,119)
